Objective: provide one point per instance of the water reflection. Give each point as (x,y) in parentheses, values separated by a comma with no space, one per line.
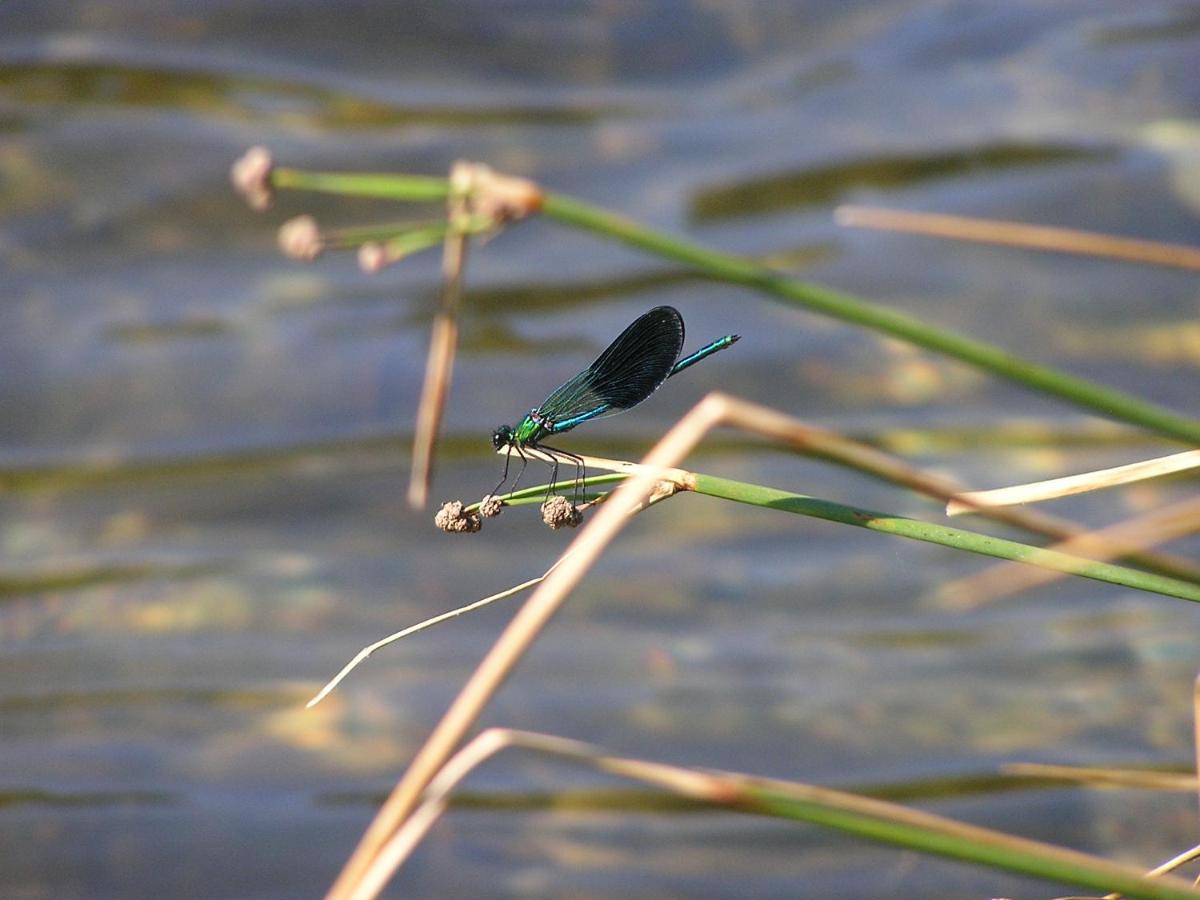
(256,99)
(822,185)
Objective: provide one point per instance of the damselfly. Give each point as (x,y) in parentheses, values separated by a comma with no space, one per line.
(633,367)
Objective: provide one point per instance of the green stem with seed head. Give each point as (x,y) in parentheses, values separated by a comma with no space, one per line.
(726,267)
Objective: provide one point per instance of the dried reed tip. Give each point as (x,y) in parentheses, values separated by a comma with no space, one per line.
(559,512)
(300,238)
(490,506)
(498,198)
(373,257)
(503,198)
(463,175)
(251,177)
(451,518)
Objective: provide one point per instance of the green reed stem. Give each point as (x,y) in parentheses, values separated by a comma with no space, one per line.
(725,267)
(409,188)
(915,529)
(957,538)
(349,238)
(1106,401)
(931,834)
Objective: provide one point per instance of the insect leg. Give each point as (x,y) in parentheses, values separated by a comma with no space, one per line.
(504,477)
(579,467)
(524,463)
(553,473)
(553,462)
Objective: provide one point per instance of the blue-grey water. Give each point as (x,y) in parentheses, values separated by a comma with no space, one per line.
(204,446)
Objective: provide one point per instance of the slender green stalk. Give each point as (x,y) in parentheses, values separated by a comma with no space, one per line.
(972,542)
(1106,401)
(915,529)
(725,267)
(410,188)
(930,834)
(415,240)
(349,238)
(402,235)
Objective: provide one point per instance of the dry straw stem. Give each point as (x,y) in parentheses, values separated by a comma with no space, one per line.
(475,192)
(681,478)
(437,796)
(1130,538)
(1020,234)
(443,340)
(866,817)
(1074,484)
(1196,720)
(1099,777)
(1170,865)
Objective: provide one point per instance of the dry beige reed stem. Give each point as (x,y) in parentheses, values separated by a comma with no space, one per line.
(1074,484)
(474,188)
(437,796)
(443,341)
(1196,721)
(1020,234)
(1094,776)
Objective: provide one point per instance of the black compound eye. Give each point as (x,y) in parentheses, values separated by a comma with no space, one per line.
(501,437)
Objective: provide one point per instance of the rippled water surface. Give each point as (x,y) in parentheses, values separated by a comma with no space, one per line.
(204,446)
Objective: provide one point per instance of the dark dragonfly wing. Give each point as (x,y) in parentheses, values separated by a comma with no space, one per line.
(632,368)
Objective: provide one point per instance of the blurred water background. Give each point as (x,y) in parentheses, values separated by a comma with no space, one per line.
(204,446)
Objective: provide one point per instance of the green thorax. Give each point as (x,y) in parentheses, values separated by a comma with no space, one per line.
(530,430)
